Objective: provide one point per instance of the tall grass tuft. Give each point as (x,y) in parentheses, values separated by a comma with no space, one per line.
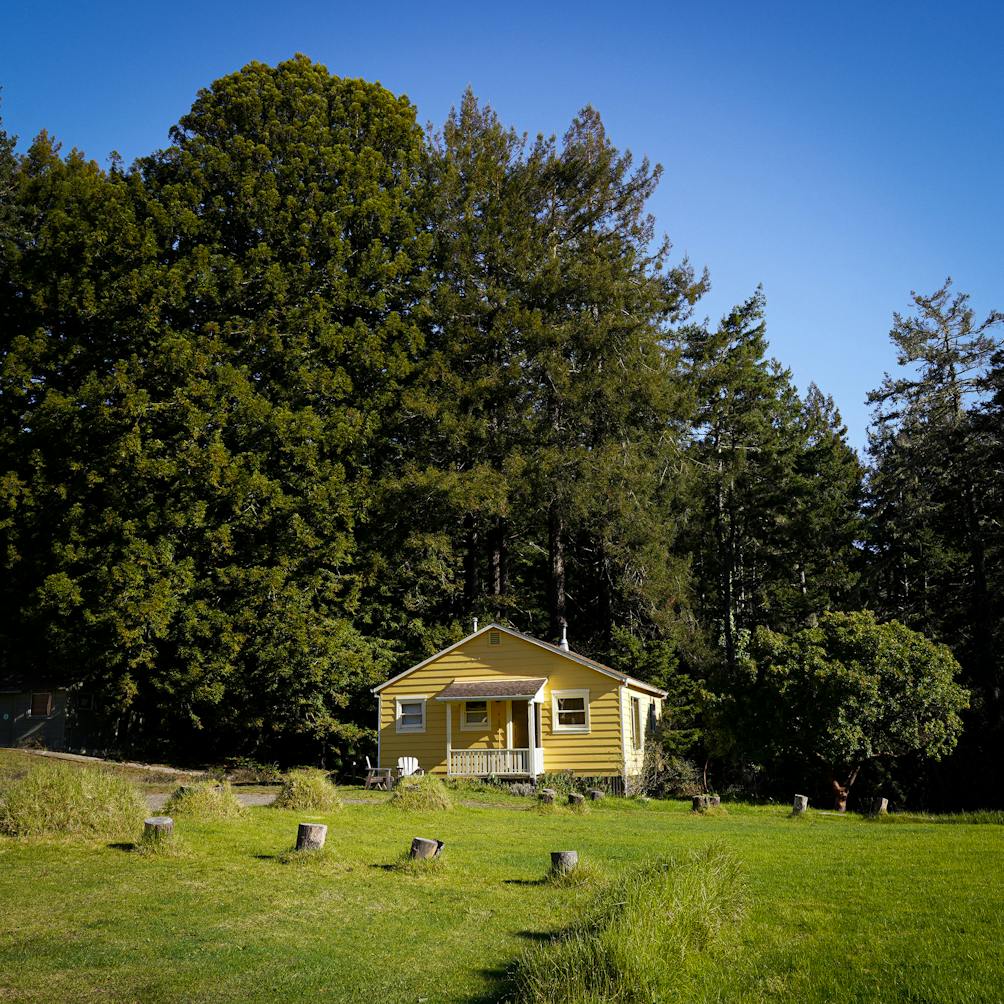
(78,801)
(641,936)
(308,790)
(205,800)
(421,794)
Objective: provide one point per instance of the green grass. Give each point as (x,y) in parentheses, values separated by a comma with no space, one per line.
(204,800)
(421,794)
(57,799)
(307,789)
(836,908)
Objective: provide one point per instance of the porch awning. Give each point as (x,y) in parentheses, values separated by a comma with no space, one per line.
(488,690)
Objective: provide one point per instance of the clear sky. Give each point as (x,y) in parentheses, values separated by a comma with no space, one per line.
(840,154)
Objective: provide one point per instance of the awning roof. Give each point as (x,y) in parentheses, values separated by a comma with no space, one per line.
(484,690)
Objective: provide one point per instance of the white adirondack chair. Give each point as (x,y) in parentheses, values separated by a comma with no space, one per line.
(407,766)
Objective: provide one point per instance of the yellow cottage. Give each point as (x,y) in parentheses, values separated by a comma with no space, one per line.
(502,703)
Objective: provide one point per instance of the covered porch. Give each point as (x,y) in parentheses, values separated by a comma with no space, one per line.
(493,728)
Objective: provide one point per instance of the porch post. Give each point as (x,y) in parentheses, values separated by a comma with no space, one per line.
(449,737)
(531,739)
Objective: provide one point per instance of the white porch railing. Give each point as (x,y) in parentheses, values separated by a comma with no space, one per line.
(482,763)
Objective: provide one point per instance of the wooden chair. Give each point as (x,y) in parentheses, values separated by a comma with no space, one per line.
(378,777)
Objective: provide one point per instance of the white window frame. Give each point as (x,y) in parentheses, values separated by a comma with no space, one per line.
(480,727)
(556,725)
(637,725)
(420,699)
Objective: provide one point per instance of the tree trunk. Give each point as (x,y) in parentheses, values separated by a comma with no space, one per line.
(842,789)
(472,557)
(556,549)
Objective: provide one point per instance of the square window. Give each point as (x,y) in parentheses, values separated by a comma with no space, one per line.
(570,711)
(475,714)
(41,705)
(410,714)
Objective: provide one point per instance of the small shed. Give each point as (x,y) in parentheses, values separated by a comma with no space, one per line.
(32,713)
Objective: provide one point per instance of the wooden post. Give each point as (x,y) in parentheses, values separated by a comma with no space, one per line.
(575,798)
(548,795)
(562,862)
(449,737)
(310,836)
(879,807)
(424,849)
(801,803)
(158,828)
(595,794)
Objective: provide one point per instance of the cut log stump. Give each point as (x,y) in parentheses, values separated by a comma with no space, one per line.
(424,849)
(701,802)
(576,799)
(800,804)
(879,807)
(158,828)
(311,836)
(714,801)
(595,794)
(562,862)
(548,795)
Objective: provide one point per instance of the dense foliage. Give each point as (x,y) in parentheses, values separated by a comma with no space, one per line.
(286,404)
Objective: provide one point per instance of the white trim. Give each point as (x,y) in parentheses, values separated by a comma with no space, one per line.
(379,727)
(508,725)
(556,725)
(410,699)
(580,659)
(484,726)
(637,726)
(623,693)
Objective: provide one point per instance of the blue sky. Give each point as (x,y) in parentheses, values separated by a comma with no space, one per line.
(839,154)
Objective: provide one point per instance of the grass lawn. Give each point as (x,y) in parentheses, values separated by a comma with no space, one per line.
(838,909)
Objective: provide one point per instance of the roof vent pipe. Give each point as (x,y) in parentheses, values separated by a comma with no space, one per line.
(563,645)
(475,623)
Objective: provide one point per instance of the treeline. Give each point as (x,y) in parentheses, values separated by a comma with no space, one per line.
(288,403)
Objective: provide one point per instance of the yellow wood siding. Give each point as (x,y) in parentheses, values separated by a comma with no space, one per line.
(596,753)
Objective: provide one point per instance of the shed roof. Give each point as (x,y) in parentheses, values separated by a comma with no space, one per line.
(476,690)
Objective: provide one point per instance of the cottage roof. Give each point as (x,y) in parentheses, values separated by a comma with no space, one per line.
(478,690)
(565,654)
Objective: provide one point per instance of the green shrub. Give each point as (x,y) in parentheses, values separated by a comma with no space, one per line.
(421,794)
(58,798)
(308,789)
(204,800)
(634,944)
(245,770)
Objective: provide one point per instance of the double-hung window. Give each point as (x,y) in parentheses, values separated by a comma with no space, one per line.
(636,729)
(475,716)
(570,711)
(410,714)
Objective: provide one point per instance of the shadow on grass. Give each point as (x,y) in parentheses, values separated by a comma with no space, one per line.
(128,845)
(265,857)
(540,881)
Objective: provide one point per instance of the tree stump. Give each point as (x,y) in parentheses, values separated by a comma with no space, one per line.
(158,828)
(562,862)
(701,802)
(424,849)
(576,799)
(595,794)
(800,804)
(879,807)
(548,795)
(714,801)
(311,836)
